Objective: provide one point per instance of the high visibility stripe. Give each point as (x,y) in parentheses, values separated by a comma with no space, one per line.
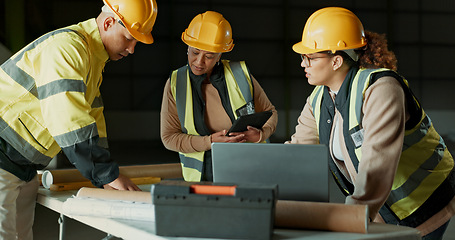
(192,163)
(400,191)
(44,38)
(77,136)
(182,94)
(425,162)
(30,119)
(20,76)
(241,87)
(358,153)
(16,140)
(414,135)
(59,86)
(244,86)
(180,90)
(433,145)
(403,207)
(359,86)
(403,189)
(354,114)
(315,101)
(189,119)
(191,160)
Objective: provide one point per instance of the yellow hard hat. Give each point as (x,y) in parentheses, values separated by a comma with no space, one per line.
(209,31)
(331,28)
(138,17)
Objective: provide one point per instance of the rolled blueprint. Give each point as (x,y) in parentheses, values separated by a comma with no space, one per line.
(336,217)
(163,171)
(133,205)
(132,196)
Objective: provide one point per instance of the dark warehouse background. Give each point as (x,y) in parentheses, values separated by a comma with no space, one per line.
(420,32)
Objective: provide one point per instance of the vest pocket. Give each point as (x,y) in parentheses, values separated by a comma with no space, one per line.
(39,134)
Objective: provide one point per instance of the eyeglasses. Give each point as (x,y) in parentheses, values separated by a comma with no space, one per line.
(307,60)
(121,23)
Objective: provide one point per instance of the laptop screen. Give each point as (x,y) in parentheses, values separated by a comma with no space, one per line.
(300,171)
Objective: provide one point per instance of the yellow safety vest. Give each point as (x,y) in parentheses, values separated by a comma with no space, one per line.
(50,103)
(240,91)
(425,167)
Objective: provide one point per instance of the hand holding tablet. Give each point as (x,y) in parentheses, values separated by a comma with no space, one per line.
(256,120)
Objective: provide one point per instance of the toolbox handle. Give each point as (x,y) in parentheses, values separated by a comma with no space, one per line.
(213,190)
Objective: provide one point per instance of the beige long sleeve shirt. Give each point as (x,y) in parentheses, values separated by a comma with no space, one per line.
(216,119)
(384,120)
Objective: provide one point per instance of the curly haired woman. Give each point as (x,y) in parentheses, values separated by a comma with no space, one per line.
(385,152)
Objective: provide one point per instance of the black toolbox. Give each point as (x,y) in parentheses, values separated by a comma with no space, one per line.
(214,210)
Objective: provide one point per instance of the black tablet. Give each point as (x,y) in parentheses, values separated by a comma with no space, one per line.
(256,120)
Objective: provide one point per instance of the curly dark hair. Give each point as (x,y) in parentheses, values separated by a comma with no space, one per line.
(376,53)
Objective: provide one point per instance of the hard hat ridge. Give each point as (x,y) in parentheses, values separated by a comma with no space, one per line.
(331,29)
(138,16)
(209,31)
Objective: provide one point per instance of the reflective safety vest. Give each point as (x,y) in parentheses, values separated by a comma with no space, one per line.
(424,182)
(48,103)
(240,92)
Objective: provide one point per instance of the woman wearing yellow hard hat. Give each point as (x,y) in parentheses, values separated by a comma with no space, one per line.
(385,152)
(204,97)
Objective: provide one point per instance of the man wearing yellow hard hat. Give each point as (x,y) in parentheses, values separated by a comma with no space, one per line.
(204,97)
(385,151)
(50,101)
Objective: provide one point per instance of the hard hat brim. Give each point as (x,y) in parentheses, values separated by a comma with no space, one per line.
(144,38)
(331,29)
(207,47)
(300,48)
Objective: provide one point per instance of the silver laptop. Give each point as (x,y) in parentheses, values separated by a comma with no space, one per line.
(301,171)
